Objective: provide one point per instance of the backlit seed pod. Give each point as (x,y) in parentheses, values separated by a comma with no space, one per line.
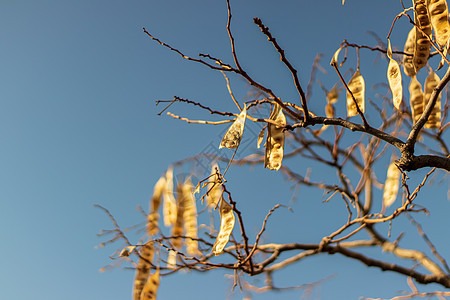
(152,219)
(391,185)
(329,110)
(214,187)
(233,136)
(226,227)
(177,229)
(357,86)
(408,64)
(332,95)
(142,270)
(415,99)
(171,259)
(434,121)
(190,218)
(151,287)
(260,137)
(438,11)
(275,140)
(395,79)
(170,204)
(422,44)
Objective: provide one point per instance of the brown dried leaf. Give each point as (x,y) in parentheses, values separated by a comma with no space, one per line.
(415,99)
(438,11)
(226,227)
(434,121)
(233,136)
(357,86)
(151,287)
(391,185)
(395,79)
(275,140)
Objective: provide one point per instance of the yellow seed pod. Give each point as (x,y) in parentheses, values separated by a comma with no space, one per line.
(391,185)
(214,188)
(434,121)
(155,201)
(422,44)
(233,136)
(438,11)
(408,64)
(151,287)
(415,99)
(333,95)
(172,260)
(226,227)
(143,269)
(170,204)
(275,140)
(190,218)
(357,86)
(177,229)
(395,79)
(329,110)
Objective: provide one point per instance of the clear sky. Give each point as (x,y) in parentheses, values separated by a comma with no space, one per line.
(79,126)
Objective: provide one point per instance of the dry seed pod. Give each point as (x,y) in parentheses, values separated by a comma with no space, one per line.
(357,86)
(329,110)
(233,136)
(408,64)
(172,260)
(422,44)
(214,188)
(434,121)
(275,140)
(260,137)
(127,251)
(177,229)
(416,99)
(438,11)
(395,79)
(170,204)
(391,185)
(155,202)
(151,287)
(190,218)
(226,227)
(334,59)
(332,95)
(142,270)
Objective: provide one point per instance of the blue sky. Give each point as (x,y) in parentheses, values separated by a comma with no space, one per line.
(79,126)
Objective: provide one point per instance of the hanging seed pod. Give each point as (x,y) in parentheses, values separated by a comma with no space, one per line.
(155,202)
(434,121)
(391,185)
(333,95)
(214,188)
(422,44)
(171,259)
(142,270)
(275,140)
(395,79)
(190,218)
(177,229)
(233,136)
(438,11)
(151,287)
(416,99)
(260,137)
(408,64)
(226,227)
(357,86)
(329,110)
(170,204)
